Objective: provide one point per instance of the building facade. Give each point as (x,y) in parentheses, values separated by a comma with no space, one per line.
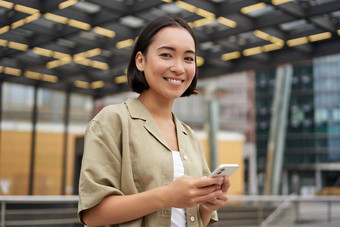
(311,160)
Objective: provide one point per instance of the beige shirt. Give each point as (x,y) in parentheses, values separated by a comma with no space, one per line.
(125,154)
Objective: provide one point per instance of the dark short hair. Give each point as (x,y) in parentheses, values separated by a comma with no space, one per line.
(136,78)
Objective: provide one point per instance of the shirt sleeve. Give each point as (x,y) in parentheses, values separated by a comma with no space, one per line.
(101,166)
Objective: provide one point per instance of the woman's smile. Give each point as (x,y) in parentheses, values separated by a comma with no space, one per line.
(174,81)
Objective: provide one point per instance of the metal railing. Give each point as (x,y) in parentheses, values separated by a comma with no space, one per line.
(295,202)
(23,205)
(56,210)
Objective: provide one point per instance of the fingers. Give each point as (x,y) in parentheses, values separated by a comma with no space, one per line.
(200,190)
(221,196)
(208,189)
(209,197)
(226,184)
(207,181)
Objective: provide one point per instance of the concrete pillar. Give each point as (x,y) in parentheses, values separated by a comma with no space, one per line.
(277,133)
(212,121)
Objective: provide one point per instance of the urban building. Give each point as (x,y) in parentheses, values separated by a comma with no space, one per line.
(312,143)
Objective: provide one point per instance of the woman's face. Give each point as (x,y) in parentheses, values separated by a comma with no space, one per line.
(169,65)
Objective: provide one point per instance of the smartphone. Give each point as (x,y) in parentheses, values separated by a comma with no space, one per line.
(224,169)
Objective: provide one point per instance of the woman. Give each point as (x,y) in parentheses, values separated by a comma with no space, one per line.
(141,165)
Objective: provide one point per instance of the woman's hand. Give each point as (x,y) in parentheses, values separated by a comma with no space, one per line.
(182,193)
(188,191)
(208,207)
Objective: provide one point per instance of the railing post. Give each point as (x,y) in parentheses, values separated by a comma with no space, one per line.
(3,212)
(297,211)
(261,212)
(329,216)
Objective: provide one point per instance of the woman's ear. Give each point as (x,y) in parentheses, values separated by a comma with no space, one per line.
(140,61)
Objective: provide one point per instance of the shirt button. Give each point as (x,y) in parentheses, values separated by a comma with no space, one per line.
(185,157)
(192,218)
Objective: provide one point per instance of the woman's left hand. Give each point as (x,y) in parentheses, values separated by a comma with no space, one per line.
(208,207)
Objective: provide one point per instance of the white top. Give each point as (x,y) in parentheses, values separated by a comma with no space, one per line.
(178,215)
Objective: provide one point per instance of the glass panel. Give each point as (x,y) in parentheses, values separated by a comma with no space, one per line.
(16,138)
(49,142)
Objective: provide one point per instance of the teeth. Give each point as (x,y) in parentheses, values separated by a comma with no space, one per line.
(174,81)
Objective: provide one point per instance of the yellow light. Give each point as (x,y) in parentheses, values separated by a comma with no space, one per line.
(17,46)
(199,61)
(31,18)
(100,65)
(12,71)
(39,76)
(262,35)
(82,61)
(230,56)
(202,22)
(3,42)
(32,75)
(339,32)
(80,55)
(56,18)
(82,84)
(50,78)
(18,23)
(227,22)
(104,32)
(4,29)
(53,64)
(42,51)
(121,79)
(25,9)
(186,6)
(276,41)
(60,55)
(252,8)
(279,2)
(268,37)
(297,41)
(97,84)
(271,47)
(320,36)
(252,51)
(1,68)
(79,24)
(66,4)
(205,13)
(93,52)
(124,43)
(5,4)
(66,60)
(167,1)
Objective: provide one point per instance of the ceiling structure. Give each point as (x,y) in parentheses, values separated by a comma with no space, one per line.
(84,46)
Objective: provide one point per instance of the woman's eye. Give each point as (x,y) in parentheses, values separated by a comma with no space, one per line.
(189,59)
(166,55)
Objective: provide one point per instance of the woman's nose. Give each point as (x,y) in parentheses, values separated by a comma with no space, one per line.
(177,67)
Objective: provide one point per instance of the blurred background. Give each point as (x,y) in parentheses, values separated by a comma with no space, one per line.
(269,100)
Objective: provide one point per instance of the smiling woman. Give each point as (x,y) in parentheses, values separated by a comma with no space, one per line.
(170,68)
(126,179)
(136,77)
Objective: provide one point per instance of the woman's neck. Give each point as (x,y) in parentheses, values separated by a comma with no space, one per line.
(158,107)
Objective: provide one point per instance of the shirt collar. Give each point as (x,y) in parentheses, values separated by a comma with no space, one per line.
(137,110)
